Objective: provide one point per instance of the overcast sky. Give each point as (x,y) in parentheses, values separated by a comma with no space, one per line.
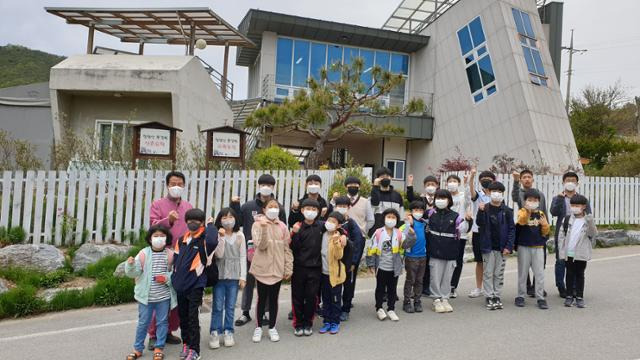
(608,29)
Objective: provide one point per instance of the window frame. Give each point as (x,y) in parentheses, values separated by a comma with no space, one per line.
(481,94)
(97,134)
(529,42)
(395,168)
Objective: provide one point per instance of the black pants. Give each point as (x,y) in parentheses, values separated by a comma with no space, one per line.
(267,293)
(188,307)
(575,277)
(426,279)
(349,288)
(331,301)
(455,279)
(386,283)
(305,283)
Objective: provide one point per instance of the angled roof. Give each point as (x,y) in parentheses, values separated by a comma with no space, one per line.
(256,22)
(155,25)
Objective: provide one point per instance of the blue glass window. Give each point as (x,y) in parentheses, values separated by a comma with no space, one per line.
(477,34)
(518,18)
(282,92)
(301,63)
(283,61)
(538,62)
(367,66)
(382,59)
(350,54)
(465,40)
(318,59)
(399,64)
(486,70)
(334,57)
(528,28)
(478,66)
(530,49)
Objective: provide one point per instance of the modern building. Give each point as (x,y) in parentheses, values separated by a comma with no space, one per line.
(488,69)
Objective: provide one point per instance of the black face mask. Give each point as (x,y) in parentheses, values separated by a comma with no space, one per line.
(193,226)
(385,182)
(485,183)
(352,190)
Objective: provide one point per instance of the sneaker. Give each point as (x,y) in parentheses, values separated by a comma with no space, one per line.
(243,319)
(290,315)
(325,328)
(257,335)
(173,340)
(381,314)
(392,315)
(542,304)
(490,304)
(562,292)
(184,352)
(214,340)
(568,301)
(408,307)
(447,307)
(152,344)
(475,293)
(298,332)
(580,303)
(273,335)
(497,303)
(335,328)
(229,341)
(519,301)
(454,293)
(437,306)
(417,306)
(192,355)
(307,331)
(531,292)
(344,316)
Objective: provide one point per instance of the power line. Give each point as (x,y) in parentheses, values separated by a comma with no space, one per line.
(572,51)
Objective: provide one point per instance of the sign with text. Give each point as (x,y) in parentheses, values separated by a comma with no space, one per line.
(226,145)
(155,141)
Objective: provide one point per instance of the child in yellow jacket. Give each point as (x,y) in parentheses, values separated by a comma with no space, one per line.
(334,242)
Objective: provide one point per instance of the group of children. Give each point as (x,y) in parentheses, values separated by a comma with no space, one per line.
(319,250)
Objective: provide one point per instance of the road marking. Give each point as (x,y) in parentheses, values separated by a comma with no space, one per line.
(129,322)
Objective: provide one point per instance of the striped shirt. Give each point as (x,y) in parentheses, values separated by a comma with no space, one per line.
(158,292)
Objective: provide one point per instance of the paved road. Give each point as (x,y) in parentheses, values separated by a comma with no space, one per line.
(608,328)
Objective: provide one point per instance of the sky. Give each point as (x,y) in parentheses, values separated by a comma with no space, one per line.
(609,30)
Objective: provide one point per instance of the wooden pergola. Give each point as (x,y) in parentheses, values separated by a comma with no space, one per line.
(175,26)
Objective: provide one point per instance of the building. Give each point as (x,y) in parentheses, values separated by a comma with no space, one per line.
(485,67)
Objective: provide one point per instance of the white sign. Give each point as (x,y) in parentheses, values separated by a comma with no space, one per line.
(155,141)
(226,145)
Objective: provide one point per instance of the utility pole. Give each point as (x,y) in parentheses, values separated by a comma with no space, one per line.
(571,50)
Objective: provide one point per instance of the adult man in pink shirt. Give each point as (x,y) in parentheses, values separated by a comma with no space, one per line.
(169,212)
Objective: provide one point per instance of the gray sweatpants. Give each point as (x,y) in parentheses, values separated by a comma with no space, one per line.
(493,264)
(531,257)
(441,273)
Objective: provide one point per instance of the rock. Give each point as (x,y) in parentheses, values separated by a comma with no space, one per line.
(43,257)
(48,294)
(634,237)
(612,238)
(119,272)
(90,254)
(4,287)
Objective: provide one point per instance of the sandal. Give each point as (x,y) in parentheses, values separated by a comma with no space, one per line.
(158,356)
(134,356)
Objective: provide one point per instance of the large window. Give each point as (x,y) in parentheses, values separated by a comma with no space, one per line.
(473,45)
(114,138)
(397,169)
(298,60)
(529,44)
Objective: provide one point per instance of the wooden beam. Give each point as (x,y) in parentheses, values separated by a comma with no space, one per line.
(192,38)
(141,48)
(90,39)
(223,84)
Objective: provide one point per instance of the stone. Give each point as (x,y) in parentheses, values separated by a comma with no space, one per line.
(90,253)
(634,237)
(119,272)
(48,294)
(4,287)
(612,238)
(43,257)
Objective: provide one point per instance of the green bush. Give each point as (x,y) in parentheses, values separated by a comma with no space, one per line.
(342,174)
(21,301)
(273,158)
(113,291)
(55,278)
(35,278)
(104,268)
(14,235)
(71,299)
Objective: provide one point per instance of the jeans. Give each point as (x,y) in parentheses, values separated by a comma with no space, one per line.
(225,294)
(189,307)
(331,301)
(145,313)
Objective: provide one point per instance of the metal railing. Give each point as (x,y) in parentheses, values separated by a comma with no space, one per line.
(223,84)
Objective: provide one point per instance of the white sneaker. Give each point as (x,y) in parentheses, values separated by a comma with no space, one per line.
(273,335)
(437,306)
(381,314)
(447,307)
(475,293)
(257,335)
(229,341)
(214,340)
(392,315)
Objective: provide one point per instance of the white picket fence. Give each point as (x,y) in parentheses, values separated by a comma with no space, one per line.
(614,200)
(61,207)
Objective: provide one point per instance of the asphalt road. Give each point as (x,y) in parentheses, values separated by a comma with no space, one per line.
(607,329)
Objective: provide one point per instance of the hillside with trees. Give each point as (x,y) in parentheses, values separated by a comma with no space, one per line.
(21,66)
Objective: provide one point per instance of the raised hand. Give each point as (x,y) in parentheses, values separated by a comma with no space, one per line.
(410,180)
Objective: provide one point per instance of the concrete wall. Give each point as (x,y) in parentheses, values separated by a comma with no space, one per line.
(268,59)
(32,124)
(523,120)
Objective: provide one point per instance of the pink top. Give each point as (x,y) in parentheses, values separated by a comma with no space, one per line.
(159,215)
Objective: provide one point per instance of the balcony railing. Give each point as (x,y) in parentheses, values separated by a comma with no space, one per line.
(223,84)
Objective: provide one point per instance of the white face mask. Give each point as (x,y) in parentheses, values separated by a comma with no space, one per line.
(329,226)
(442,203)
(418,215)
(159,242)
(570,186)
(496,196)
(266,190)
(228,224)
(176,191)
(453,186)
(390,223)
(430,189)
(310,214)
(313,189)
(576,210)
(272,213)
(342,210)
(532,205)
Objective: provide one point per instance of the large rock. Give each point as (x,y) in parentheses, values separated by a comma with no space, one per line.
(41,257)
(119,272)
(90,254)
(634,237)
(612,238)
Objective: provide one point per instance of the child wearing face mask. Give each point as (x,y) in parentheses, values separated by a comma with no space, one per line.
(314,185)
(478,198)
(461,205)
(444,228)
(384,197)
(384,259)
(431,184)
(231,256)
(272,263)
(415,260)
(153,291)
(496,234)
(532,229)
(577,238)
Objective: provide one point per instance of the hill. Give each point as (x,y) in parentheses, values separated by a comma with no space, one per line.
(20,65)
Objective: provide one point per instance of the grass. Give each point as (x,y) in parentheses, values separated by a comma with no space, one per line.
(21,301)
(37,279)
(104,268)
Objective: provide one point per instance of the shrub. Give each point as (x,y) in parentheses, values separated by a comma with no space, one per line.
(55,278)
(624,164)
(342,174)
(11,236)
(35,278)
(104,268)
(21,301)
(71,299)
(113,291)
(273,158)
